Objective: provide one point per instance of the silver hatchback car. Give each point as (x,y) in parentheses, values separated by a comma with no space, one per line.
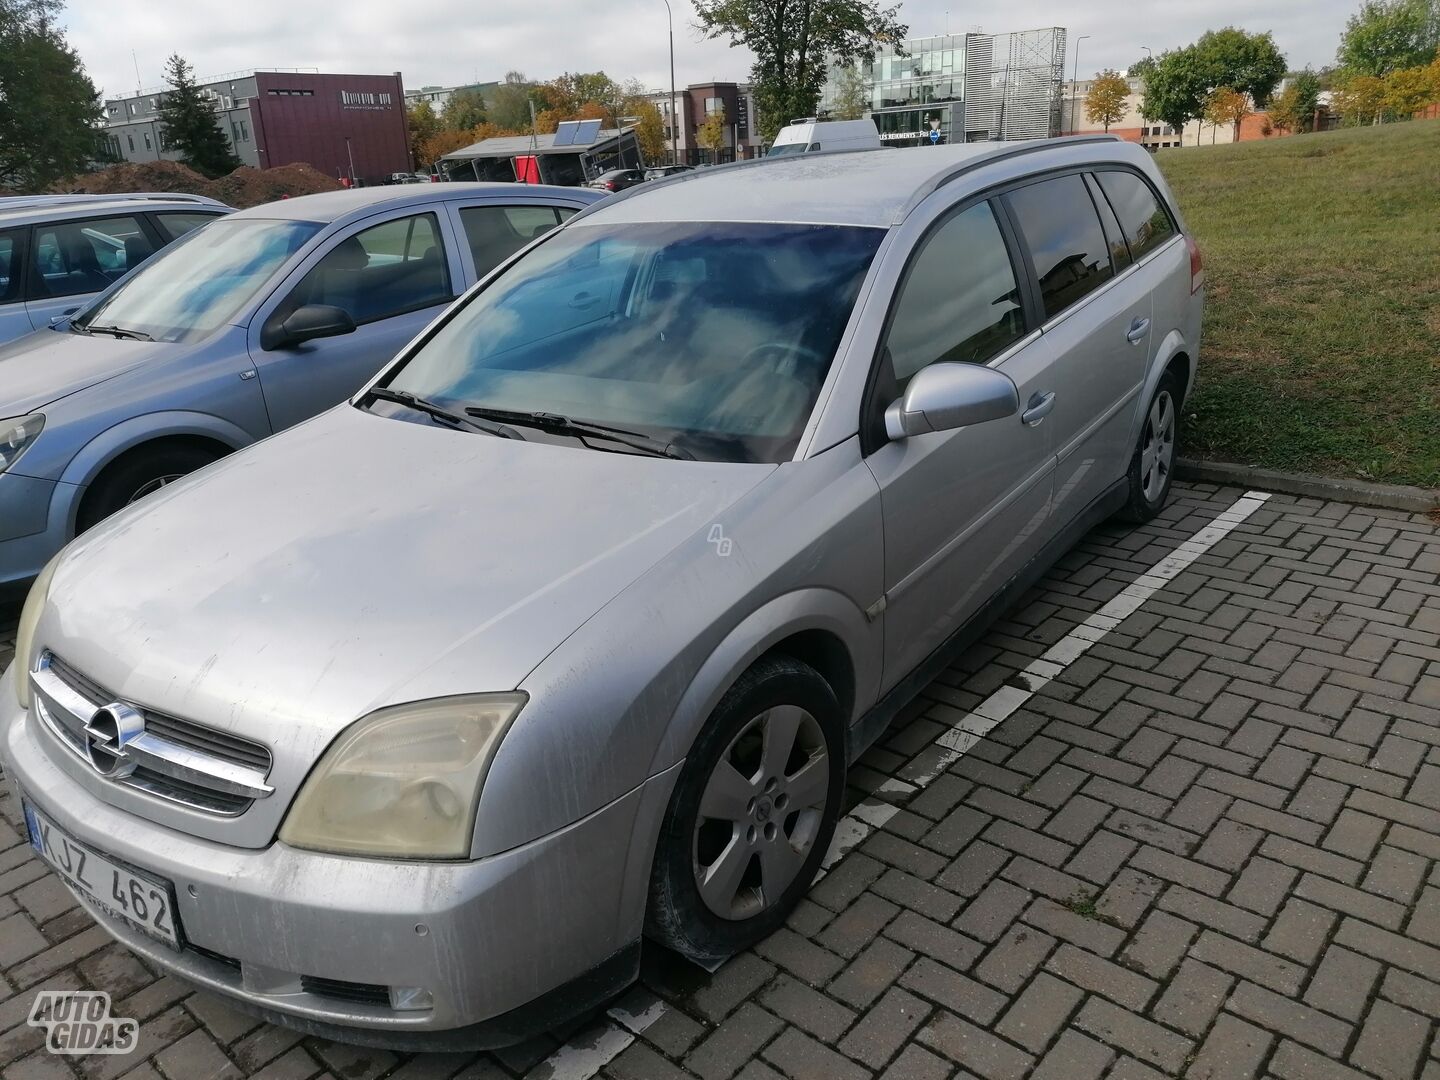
(406,726)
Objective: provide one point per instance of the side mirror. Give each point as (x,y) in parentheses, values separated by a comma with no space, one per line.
(942,397)
(307,323)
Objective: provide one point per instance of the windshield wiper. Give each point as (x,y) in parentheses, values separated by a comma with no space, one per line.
(439,412)
(583,429)
(119,331)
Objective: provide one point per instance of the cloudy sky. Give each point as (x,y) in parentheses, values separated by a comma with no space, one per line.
(452,41)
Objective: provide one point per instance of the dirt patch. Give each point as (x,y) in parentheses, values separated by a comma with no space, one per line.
(243,187)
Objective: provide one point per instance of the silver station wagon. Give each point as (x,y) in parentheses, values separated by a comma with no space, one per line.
(408,725)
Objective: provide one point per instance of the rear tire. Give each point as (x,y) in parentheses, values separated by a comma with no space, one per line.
(140,473)
(1152,466)
(752,814)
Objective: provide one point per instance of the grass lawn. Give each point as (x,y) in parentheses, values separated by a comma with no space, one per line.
(1322,327)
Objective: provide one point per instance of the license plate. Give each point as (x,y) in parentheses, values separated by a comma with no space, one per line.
(146,903)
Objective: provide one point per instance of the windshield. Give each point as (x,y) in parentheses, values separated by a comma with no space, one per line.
(715,337)
(202,280)
(786,149)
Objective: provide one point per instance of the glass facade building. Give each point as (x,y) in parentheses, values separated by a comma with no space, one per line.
(962,88)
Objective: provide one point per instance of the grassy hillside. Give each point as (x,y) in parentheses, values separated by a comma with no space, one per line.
(1322,330)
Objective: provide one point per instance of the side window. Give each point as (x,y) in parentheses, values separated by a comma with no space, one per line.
(74,257)
(1146,223)
(960,300)
(385,270)
(1062,231)
(497,232)
(175,224)
(1114,238)
(12,268)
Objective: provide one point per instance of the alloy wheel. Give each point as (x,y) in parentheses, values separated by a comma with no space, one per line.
(152,486)
(1157,446)
(760,813)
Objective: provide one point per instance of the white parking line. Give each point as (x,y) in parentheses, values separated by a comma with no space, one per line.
(593,1048)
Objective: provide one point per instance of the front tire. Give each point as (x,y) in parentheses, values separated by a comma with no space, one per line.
(1153,464)
(752,814)
(133,477)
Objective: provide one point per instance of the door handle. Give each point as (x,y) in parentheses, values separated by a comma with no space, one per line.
(1037,408)
(1138,331)
(583,300)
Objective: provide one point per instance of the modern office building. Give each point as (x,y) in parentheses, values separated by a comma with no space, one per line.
(963,88)
(344,125)
(1132,127)
(437,96)
(695,104)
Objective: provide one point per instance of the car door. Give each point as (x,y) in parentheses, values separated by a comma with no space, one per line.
(494,231)
(964,509)
(14,318)
(72,260)
(1097,327)
(391,275)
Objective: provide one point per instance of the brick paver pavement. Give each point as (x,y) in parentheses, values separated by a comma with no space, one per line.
(1207,849)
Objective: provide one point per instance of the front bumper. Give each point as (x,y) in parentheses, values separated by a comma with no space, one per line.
(33,526)
(549,928)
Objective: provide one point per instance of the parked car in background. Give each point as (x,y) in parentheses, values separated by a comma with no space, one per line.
(57,251)
(617,180)
(255,323)
(661,172)
(566,628)
(812,136)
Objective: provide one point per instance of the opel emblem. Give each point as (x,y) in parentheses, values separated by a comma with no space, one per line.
(108,732)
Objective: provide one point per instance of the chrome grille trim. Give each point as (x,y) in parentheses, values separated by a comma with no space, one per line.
(171,759)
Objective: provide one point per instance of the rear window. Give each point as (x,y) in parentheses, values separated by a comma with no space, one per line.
(1067,245)
(1145,222)
(11,266)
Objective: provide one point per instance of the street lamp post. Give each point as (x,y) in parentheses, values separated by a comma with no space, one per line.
(1075,88)
(674,113)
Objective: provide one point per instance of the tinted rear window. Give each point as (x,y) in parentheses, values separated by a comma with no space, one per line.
(1145,222)
(1060,226)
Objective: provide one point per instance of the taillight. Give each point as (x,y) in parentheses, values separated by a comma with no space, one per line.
(1197,265)
(609,185)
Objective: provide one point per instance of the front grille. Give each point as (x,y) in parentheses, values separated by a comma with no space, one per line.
(172,759)
(356,993)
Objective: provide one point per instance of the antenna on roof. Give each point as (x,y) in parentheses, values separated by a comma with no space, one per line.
(137,70)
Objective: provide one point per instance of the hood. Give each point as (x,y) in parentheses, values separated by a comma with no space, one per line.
(358,561)
(50,364)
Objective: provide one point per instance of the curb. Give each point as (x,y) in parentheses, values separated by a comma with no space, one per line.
(1389,496)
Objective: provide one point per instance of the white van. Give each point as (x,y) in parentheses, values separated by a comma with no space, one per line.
(812,136)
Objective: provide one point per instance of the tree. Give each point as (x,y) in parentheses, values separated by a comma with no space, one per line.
(1183,80)
(49,109)
(852,93)
(794,43)
(1286,113)
(443,142)
(1227,106)
(463,110)
(711,134)
(1305,86)
(1389,35)
(1409,90)
(1360,99)
(188,123)
(510,103)
(650,132)
(423,124)
(1107,102)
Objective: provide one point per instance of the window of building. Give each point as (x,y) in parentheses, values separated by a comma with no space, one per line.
(1145,222)
(960,301)
(385,270)
(148,144)
(244,131)
(1062,231)
(131,140)
(497,232)
(85,256)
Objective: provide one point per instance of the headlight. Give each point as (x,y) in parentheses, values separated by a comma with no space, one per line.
(405,781)
(25,635)
(16,436)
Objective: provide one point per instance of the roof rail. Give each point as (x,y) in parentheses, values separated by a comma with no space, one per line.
(1013,150)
